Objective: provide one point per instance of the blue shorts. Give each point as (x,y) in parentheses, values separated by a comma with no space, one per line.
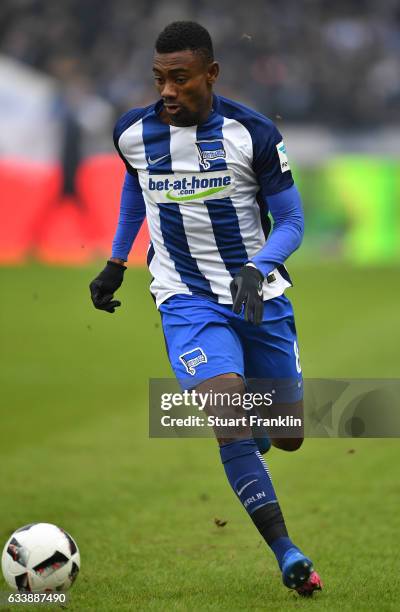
(205,339)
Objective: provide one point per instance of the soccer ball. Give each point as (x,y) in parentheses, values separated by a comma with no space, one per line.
(40,557)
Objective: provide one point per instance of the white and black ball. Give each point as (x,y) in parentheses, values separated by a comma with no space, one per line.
(40,557)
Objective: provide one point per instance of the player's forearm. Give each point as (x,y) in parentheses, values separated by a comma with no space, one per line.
(280,245)
(287,232)
(131,217)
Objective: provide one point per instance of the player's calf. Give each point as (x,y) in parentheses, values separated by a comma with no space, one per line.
(290,435)
(287,444)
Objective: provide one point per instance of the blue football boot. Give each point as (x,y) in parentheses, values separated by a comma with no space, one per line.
(296,568)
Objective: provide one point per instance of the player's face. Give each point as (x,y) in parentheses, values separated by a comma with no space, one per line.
(184,81)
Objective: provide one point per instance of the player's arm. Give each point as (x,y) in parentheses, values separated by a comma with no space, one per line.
(131,217)
(286,236)
(280,197)
(287,231)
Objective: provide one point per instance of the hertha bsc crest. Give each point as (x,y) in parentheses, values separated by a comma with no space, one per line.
(192,359)
(209,151)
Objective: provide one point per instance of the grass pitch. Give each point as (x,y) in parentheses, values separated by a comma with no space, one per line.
(75,451)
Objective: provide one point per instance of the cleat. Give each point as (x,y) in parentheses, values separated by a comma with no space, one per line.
(296,569)
(314,583)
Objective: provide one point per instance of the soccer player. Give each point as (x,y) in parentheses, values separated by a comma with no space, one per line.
(206,171)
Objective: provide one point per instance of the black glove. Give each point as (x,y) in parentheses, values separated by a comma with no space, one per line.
(246,288)
(102,288)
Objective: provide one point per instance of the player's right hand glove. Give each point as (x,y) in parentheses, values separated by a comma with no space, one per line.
(102,288)
(246,288)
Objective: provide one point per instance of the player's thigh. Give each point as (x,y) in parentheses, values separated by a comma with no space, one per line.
(271,350)
(200,341)
(272,365)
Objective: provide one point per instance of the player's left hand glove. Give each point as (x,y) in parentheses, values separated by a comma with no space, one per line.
(102,288)
(246,288)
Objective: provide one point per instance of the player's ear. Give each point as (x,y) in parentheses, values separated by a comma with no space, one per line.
(212,72)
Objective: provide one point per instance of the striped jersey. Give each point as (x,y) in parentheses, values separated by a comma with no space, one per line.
(205,188)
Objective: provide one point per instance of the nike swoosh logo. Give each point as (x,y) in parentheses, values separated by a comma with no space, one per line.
(245,486)
(151,162)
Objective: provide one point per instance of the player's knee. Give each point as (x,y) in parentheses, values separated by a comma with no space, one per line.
(223,392)
(225,407)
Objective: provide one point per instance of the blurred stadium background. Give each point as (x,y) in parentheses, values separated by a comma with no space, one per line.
(327,74)
(74,447)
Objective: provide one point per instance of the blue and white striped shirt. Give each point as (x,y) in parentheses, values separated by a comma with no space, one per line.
(205,191)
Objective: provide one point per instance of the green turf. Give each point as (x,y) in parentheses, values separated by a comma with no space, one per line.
(75,451)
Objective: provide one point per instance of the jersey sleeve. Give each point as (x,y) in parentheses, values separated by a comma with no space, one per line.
(287,233)
(270,162)
(131,217)
(123,124)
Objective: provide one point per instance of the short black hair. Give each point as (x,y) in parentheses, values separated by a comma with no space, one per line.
(183,36)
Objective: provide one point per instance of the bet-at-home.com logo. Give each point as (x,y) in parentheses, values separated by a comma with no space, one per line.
(180,187)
